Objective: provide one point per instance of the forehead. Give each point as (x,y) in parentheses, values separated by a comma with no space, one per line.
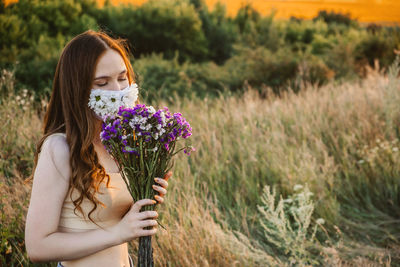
(110,63)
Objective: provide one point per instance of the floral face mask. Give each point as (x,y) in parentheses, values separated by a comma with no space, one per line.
(104,102)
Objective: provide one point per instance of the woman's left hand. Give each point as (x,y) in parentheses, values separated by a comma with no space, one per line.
(163,188)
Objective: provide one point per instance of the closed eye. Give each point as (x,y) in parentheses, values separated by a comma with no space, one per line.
(104,84)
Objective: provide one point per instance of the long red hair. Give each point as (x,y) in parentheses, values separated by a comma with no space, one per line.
(68,112)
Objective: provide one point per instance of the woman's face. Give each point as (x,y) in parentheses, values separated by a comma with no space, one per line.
(110,73)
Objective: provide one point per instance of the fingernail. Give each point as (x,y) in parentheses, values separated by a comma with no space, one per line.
(156,179)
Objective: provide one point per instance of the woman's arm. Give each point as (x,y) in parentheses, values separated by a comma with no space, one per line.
(49,189)
(69,246)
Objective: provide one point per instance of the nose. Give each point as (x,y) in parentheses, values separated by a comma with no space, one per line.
(116,86)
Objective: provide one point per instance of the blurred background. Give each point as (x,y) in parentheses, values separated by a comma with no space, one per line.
(295,113)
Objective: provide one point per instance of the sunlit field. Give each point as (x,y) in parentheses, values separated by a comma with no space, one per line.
(306,179)
(363,10)
(385,11)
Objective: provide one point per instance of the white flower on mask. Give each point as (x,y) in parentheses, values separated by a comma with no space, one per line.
(104,102)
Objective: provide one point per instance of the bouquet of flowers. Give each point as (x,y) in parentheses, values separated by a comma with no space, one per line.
(142,141)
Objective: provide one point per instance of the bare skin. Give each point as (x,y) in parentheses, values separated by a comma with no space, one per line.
(45,240)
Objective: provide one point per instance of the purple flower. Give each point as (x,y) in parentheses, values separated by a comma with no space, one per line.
(128,149)
(188,151)
(148,125)
(166,146)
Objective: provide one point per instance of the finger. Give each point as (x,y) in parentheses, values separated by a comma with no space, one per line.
(162,191)
(146,223)
(148,214)
(162,182)
(138,204)
(160,199)
(168,175)
(148,232)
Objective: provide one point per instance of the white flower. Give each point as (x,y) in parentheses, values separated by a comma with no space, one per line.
(151,110)
(297,187)
(153,149)
(320,221)
(109,101)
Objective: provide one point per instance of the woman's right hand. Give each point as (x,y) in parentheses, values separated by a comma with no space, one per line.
(132,224)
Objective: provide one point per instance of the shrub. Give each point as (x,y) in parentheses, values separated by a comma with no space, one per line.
(288,225)
(334,17)
(161,78)
(260,66)
(161,27)
(376,46)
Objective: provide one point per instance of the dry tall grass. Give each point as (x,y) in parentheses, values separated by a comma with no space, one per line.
(339,139)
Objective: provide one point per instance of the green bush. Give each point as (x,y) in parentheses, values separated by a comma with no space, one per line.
(312,70)
(378,46)
(161,78)
(219,30)
(34,33)
(160,27)
(334,17)
(260,66)
(37,64)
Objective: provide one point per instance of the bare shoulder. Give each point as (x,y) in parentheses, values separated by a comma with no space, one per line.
(55,152)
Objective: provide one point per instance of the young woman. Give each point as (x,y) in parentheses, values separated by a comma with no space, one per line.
(81,213)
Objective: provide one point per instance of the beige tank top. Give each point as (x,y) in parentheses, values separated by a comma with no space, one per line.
(117,201)
(116,198)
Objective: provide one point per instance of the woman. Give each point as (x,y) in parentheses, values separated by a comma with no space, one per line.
(74,172)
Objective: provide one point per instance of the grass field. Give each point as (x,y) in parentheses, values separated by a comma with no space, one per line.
(307,179)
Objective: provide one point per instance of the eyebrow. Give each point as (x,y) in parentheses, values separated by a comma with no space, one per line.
(102,77)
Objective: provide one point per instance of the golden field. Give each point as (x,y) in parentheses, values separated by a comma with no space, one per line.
(363,10)
(383,11)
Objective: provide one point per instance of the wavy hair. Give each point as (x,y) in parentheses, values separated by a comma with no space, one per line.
(67,111)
